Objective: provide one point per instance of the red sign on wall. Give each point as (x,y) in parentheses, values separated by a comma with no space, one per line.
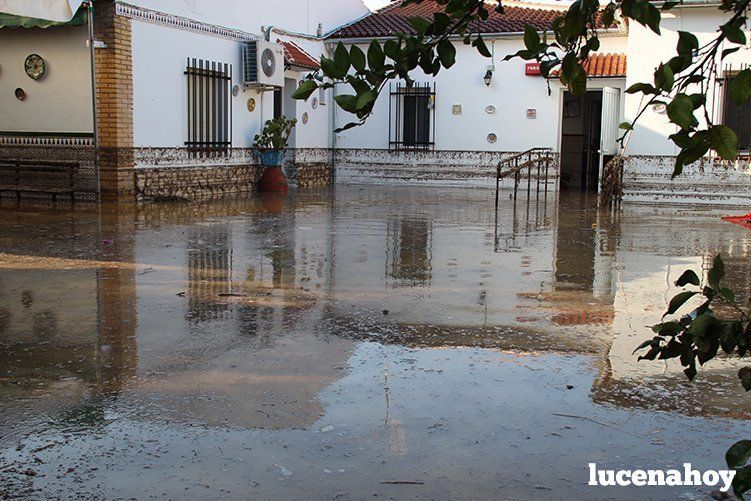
(532,69)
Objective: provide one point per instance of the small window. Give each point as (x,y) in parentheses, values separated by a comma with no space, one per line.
(411,110)
(737,117)
(209,110)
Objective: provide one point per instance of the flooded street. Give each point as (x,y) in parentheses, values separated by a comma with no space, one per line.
(367,342)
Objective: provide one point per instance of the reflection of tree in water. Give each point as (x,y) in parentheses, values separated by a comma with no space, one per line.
(409,251)
(209,272)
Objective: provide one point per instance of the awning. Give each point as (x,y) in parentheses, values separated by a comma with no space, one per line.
(41,13)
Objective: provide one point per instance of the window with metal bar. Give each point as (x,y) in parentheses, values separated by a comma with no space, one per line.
(209,108)
(737,117)
(411,121)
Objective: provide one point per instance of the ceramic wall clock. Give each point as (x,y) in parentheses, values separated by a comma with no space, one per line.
(34,66)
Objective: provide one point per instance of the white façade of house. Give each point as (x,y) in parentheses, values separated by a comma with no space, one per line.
(473,124)
(165,35)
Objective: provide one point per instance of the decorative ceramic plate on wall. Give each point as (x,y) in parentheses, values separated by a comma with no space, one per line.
(490,109)
(492,138)
(34,66)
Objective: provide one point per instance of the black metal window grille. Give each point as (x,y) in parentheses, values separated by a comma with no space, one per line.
(736,117)
(411,116)
(209,108)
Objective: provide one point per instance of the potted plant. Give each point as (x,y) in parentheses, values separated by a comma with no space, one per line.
(271,143)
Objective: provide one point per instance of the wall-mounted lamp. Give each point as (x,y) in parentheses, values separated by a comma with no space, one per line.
(488,75)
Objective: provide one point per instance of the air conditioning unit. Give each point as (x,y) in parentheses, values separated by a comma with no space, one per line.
(262,64)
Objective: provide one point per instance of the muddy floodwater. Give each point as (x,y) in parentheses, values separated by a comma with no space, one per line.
(367,342)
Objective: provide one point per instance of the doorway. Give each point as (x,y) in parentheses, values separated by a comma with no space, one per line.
(290,106)
(581,131)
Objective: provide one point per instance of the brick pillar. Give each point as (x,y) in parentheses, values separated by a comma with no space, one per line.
(114,82)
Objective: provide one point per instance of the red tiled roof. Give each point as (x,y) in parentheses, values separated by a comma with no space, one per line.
(602,66)
(294,55)
(393,19)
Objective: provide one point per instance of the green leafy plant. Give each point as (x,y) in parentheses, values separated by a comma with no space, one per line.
(681,83)
(275,134)
(699,335)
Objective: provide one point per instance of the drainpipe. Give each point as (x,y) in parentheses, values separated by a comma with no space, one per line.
(90,6)
(332,125)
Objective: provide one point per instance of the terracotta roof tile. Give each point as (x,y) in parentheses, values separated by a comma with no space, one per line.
(603,66)
(393,19)
(294,55)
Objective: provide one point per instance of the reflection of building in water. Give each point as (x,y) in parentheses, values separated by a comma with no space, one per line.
(69,324)
(409,251)
(209,272)
(650,258)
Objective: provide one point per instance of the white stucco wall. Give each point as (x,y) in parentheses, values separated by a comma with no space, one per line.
(160,90)
(511,92)
(249,15)
(646,51)
(58,102)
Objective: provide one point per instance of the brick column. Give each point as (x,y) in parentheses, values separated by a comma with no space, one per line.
(114,82)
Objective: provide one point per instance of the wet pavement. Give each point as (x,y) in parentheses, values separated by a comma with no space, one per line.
(368,342)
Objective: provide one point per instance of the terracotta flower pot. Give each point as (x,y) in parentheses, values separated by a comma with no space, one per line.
(273,178)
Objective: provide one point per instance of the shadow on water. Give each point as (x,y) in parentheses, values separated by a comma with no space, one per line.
(395,331)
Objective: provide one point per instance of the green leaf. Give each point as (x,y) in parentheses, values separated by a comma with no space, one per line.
(440,22)
(668,329)
(681,111)
(347,102)
(420,24)
(742,481)
(341,60)
(679,300)
(365,100)
(329,68)
(688,277)
(738,454)
(687,43)
(682,140)
(357,58)
(648,342)
(740,87)
(531,38)
(744,374)
(479,44)
(664,77)
(376,58)
(716,272)
(724,141)
(306,88)
(391,49)
(733,33)
(643,88)
(626,126)
(446,53)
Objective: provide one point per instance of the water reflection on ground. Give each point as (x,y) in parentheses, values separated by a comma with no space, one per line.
(368,341)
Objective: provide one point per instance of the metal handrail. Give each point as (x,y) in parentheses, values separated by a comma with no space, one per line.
(518,167)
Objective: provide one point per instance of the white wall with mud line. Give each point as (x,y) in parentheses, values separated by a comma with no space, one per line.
(511,93)
(646,51)
(160,93)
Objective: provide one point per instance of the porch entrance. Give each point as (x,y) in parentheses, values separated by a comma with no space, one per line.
(580,141)
(589,130)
